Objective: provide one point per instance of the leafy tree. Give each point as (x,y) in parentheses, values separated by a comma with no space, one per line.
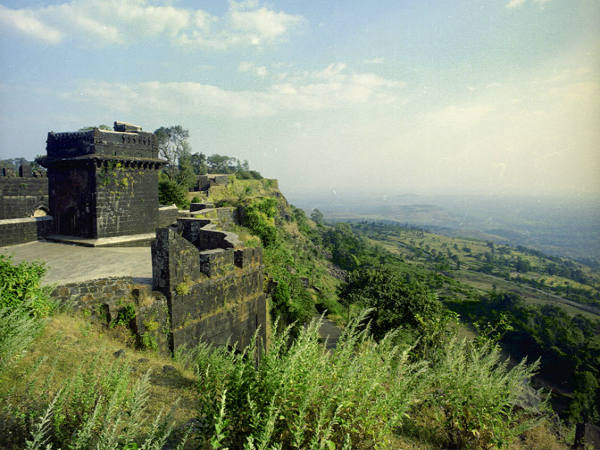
(584,406)
(172,145)
(396,301)
(198,162)
(222,164)
(186,176)
(170,192)
(317,216)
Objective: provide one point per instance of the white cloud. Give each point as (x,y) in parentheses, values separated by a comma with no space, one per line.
(374,61)
(126,21)
(306,92)
(518,3)
(247,67)
(260,25)
(515,3)
(25,22)
(458,116)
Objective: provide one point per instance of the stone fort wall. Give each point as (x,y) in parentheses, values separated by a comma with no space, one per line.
(214,288)
(205,286)
(126,199)
(21,194)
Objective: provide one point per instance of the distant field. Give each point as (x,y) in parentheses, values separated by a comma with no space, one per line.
(484,265)
(563,227)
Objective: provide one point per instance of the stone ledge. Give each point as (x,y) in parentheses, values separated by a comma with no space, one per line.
(25,220)
(103,242)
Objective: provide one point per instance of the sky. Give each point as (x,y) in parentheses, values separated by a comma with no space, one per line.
(388,96)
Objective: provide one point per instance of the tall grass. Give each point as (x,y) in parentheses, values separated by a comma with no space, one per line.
(299,395)
(98,406)
(18,329)
(359,395)
(474,399)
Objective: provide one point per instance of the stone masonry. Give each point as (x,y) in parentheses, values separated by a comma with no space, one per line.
(103,183)
(22,195)
(214,289)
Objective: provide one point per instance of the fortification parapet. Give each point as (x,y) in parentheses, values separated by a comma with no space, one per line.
(102,144)
(213,293)
(103,183)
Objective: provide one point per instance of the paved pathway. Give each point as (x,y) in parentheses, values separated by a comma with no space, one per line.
(330,331)
(71,263)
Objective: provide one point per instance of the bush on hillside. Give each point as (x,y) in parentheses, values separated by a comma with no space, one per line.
(299,395)
(476,400)
(359,395)
(20,285)
(395,301)
(169,192)
(259,217)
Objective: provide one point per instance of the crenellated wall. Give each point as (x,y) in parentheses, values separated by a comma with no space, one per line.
(103,183)
(205,286)
(214,289)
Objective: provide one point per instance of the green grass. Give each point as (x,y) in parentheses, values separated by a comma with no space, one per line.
(56,390)
(419,248)
(362,394)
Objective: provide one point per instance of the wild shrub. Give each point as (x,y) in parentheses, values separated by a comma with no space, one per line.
(259,218)
(170,192)
(99,406)
(18,329)
(396,300)
(300,395)
(475,399)
(20,284)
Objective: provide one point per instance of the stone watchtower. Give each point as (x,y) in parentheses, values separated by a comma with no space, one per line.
(103,183)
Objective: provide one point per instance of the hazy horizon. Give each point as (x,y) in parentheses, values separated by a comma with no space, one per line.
(461,97)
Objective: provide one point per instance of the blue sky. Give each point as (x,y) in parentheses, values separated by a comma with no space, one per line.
(421,96)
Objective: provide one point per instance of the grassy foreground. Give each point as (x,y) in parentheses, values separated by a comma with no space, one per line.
(71,386)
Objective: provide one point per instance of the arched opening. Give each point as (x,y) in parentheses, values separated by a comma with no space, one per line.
(40,211)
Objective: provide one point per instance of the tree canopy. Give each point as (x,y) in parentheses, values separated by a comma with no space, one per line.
(172,146)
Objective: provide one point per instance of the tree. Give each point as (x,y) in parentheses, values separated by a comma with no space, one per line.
(198,162)
(317,216)
(395,301)
(172,145)
(186,176)
(222,164)
(170,192)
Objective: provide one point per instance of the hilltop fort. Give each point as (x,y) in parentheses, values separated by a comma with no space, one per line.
(184,279)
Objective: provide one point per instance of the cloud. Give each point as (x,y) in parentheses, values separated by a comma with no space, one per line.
(515,3)
(304,92)
(260,24)
(25,22)
(459,116)
(374,61)
(518,3)
(247,67)
(121,22)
